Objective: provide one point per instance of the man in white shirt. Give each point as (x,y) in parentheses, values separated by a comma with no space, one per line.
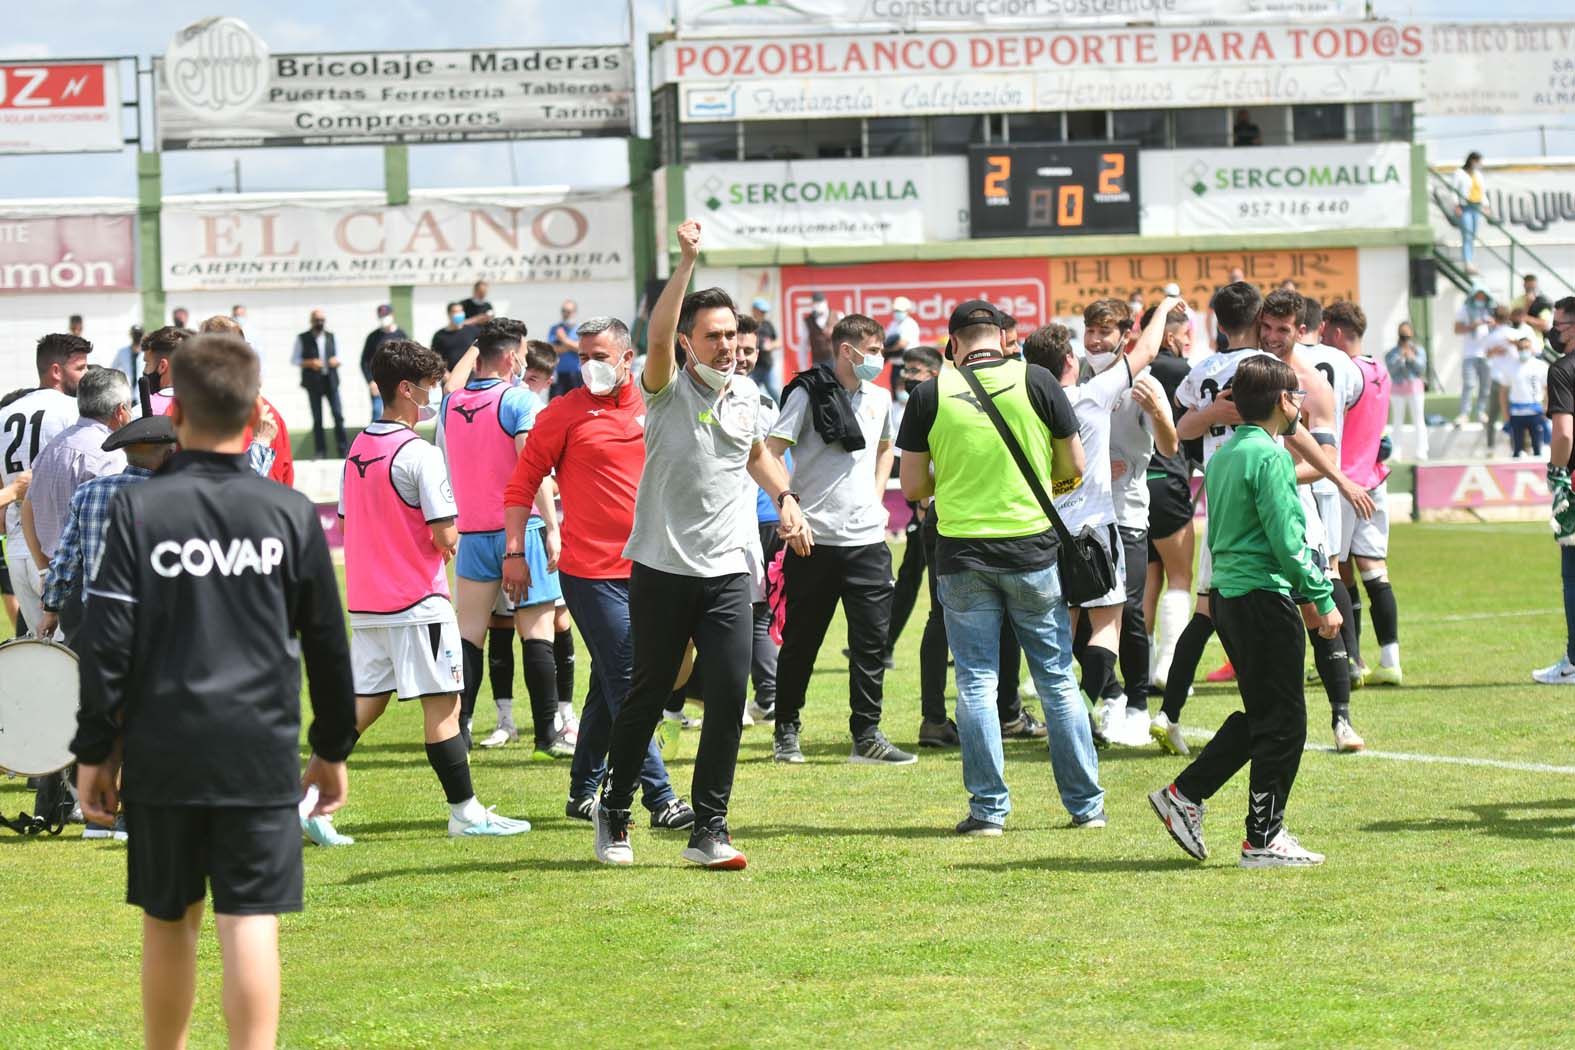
(1473,322)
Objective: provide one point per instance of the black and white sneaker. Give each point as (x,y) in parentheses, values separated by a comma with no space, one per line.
(580,808)
(1024,727)
(1182,817)
(980,828)
(784,745)
(1095,819)
(876,750)
(713,848)
(674,816)
(612,835)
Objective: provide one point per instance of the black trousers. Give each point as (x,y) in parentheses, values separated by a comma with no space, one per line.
(1265,639)
(665,611)
(1134,632)
(860,578)
(910,576)
(934,649)
(321,386)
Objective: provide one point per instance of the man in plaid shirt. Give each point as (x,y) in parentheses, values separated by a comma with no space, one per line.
(148,442)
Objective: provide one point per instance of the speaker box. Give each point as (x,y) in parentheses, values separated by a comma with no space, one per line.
(1424,278)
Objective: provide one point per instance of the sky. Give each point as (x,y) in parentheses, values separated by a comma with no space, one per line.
(71,28)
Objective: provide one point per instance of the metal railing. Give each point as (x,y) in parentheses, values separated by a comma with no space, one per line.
(1446,198)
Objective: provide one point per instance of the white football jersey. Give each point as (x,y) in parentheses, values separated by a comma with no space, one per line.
(1203,384)
(26,426)
(1346,380)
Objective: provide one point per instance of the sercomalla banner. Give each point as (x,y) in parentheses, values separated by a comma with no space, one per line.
(219,87)
(1137,68)
(731,18)
(291,242)
(75,253)
(59,107)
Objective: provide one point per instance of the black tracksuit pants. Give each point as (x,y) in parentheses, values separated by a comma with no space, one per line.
(934,649)
(1265,639)
(665,612)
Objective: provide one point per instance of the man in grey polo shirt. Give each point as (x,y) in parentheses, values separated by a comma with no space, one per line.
(690,578)
(838,424)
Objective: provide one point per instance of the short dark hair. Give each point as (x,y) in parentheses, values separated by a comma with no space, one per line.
(1008,322)
(1258,383)
(1176,318)
(58,347)
(216,380)
(927,356)
(1312,313)
(1282,302)
(1108,311)
(1236,306)
(74,319)
(1566,305)
(540,356)
(747,325)
(163,342)
(1049,347)
(704,299)
(404,360)
(854,329)
(448,310)
(499,336)
(1346,316)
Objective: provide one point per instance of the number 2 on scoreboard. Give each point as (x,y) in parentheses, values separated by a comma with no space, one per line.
(1112,170)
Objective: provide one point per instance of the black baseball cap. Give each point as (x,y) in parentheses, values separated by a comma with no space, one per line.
(972,312)
(149,430)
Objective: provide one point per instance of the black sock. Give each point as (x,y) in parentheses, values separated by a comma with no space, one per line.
(355,740)
(500,660)
(471,655)
(1353,643)
(675,703)
(563,658)
(1099,671)
(450,762)
(541,682)
(1184,664)
(1386,614)
(1334,668)
(1342,601)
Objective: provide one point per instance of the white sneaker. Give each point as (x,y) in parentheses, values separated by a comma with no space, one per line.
(1283,852)
(1182,818)
(1109,717)
(1167,735)
(1561,673)
(748,719)
(490,826)
(1134,728)
(1346,739)
(498,737)
(612,835)
(760,714)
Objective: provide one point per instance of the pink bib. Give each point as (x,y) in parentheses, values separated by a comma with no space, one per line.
(390,563)
(1364,426)
(481,456)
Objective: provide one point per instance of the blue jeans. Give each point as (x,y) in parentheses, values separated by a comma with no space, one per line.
(975,603)
(1470,217)
(1476,386)
(601,611)
(1567,570)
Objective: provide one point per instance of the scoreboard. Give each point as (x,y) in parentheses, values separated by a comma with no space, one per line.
(1053,190)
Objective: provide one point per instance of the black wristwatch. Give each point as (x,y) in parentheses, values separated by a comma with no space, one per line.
(785,494)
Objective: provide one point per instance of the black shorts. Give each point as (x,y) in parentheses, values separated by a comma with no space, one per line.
(250,856)
(1169,509)
(5,575)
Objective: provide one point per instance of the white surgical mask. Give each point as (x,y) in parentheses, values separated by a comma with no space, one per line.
(601,378)
(429,410)
(713,378)
(1525,355)
(388,323)
(869,368)
(1101,361)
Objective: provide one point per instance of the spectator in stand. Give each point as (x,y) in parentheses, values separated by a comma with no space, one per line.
(1528,390)
(1561,409)
(387,331)
(317,355)
(904,327)
(180,318)
(1538,310)
(565,338)
(1245,132)
(452,340)
(1474,322)
(1470,206)
(74,324)
(125,359)
(1407,364)
(477,309)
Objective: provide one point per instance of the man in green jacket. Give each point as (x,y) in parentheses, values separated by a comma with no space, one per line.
(1263,569)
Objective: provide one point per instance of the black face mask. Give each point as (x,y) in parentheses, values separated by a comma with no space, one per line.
(317,326)
(1290,428)
(910,385)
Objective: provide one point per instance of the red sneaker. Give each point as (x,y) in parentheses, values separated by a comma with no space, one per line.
(1223,673)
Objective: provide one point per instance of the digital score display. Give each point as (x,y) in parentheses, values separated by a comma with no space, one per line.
(1053,190)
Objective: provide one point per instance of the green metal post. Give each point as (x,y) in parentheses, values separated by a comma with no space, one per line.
(150,200)
(642,161)
(1420,312)
(396,187)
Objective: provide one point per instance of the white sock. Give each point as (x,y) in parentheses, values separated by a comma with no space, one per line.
(470,811)
(1389,655)
(1173,614)
(673,716)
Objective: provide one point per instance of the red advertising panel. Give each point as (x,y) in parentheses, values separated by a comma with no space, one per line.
(59,107)
(74,253)
(1481,486)
(1018,286)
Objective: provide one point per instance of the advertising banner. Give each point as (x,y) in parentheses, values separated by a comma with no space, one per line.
(1536,202)
(59,107)
(75,253)
(1325,274)
(1476,68)
(769,78)
(1017,286)
(219,87)
(234,242)
(1298,188)
(1493,490)
(1053,190)
(768,204)
(731,18)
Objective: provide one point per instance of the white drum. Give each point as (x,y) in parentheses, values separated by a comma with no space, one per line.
(39,695)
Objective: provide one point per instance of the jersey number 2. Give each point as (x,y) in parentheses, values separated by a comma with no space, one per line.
(17,426)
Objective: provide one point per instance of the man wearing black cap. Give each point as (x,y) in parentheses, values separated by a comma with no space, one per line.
(996,553)
(387,331)
(147,443)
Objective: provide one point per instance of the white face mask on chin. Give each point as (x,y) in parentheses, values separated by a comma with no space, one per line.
(1101,361)
(712,377)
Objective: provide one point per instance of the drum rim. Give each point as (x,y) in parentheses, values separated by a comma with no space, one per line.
(58,647)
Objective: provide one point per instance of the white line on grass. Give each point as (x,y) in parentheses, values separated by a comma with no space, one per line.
(1508,614)
(1441,760)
